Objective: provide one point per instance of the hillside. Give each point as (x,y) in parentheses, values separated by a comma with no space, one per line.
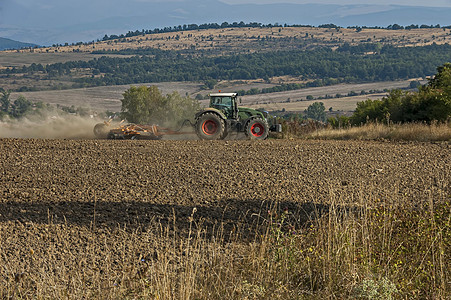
(6,44)
(248,60)
(247,40)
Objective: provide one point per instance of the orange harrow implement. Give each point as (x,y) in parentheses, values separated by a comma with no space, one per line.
(133,131)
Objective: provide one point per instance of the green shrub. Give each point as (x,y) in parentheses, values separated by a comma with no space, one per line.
(431,102)
(146,105)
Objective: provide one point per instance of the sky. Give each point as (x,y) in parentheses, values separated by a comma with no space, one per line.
(47,22)
(437,3)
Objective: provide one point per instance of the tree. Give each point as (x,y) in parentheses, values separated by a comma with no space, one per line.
(442,80)
(210,83)
(5,102)
(414,84)
(146,105)
(180,108)
(316,111)
(20,107)
(143,105)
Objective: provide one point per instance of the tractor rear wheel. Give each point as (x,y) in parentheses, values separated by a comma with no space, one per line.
(225,134)
(210,126)
(257,129)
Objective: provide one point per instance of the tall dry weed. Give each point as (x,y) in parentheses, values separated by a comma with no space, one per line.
(367,248)
(397,132)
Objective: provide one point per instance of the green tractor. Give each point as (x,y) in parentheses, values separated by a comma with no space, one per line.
(224,116)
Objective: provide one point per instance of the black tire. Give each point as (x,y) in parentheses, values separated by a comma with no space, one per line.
(257,129)
(225,134)
(210,126)
(101,130)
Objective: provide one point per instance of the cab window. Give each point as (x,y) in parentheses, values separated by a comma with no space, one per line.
(223,101)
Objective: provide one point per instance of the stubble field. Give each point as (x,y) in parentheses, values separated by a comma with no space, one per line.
(189,219)
(109,98)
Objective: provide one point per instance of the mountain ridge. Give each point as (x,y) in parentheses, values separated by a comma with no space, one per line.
(8,44)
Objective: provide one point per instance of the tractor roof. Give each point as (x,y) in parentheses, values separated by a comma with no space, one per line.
(223,95)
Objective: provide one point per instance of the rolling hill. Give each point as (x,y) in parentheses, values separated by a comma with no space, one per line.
(7,44)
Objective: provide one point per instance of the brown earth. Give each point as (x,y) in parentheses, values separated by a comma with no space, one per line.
(102,219)
(138,182)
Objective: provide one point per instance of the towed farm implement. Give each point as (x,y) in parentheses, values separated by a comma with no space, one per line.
(132,131)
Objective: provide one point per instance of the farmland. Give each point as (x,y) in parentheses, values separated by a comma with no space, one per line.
(94,75)
(82,218)
(108,98)
(234,219)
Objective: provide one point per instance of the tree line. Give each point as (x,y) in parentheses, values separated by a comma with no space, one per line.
(241,24)
(432,102)
(22,107)
(190,27)
(321,66)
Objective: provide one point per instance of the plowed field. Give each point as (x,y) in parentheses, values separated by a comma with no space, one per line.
(134,181)
(61,196)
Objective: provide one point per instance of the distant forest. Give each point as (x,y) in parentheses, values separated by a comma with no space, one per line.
(322,66)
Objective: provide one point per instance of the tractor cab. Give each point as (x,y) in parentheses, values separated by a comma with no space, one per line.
(225,102)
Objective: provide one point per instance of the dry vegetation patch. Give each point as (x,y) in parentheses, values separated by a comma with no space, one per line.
(239,40)
(248,40)
(400,132)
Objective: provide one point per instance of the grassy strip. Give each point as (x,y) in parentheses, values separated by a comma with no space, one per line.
(396,132)
(374,249)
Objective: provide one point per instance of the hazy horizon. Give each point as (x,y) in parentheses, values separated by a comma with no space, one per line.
(46,22)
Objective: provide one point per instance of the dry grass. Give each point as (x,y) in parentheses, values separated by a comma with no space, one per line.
(375,249)
(398,132)
(232,40)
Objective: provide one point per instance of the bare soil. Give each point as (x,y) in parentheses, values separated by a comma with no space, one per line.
(143,182)
(102,219)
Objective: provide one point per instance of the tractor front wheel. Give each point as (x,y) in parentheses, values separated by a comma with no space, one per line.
(210,126)
(257,129)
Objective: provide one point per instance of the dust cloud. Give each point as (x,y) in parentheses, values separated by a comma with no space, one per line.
(49,127)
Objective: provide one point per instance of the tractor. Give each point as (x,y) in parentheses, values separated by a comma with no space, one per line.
(224,116)
(213,123)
